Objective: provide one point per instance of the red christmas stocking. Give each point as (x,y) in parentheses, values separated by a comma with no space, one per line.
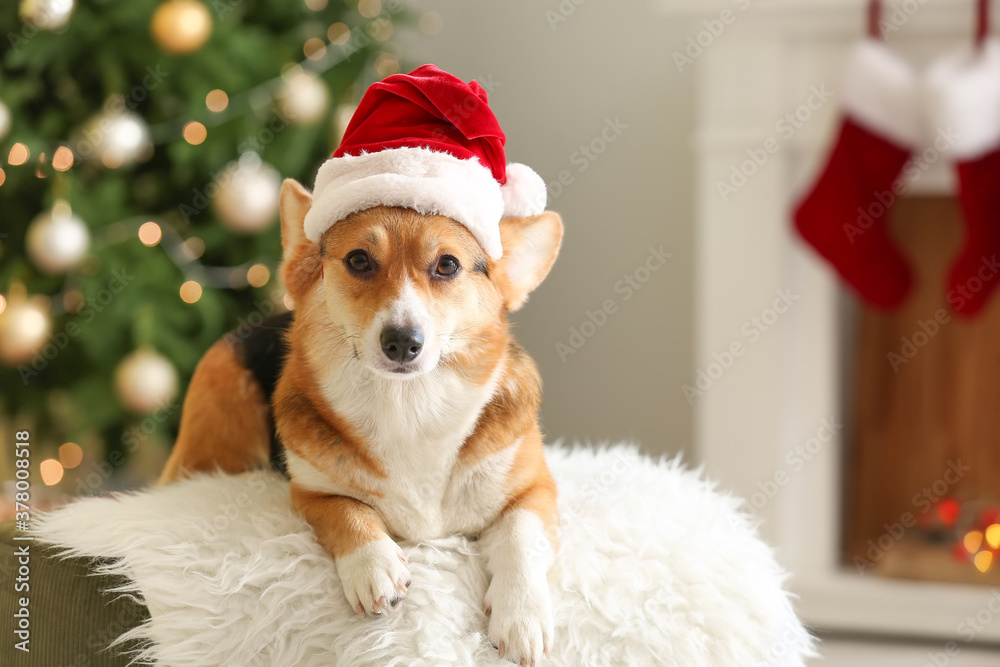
(844,216)
(966,102)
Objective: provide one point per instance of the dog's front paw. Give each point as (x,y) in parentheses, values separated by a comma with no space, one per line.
(374,577)
(521,618)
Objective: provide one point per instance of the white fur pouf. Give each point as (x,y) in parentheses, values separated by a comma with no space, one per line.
(654,568)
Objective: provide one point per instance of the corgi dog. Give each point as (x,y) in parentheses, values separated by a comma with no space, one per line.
(398,402)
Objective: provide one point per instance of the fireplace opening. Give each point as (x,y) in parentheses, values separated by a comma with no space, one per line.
(922,468)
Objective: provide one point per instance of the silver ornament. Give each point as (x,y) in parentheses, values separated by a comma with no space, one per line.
(47,14)
(303,99)
(246,196)
(114,139)
(145,381)
(57,240)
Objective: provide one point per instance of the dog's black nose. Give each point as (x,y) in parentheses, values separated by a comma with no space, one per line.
(402,345)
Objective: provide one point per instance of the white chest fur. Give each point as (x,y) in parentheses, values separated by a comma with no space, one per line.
(416,428)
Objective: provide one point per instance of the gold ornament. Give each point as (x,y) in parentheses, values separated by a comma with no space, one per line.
(181,26)
(57,240)
(303,99)
(145,381)
(247,202)
(114,138)
(25,325)
(47,14)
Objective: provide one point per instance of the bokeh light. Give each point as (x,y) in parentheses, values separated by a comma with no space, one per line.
(993,536)
(70,455)
(190,291)
(338,34)
(258,275)
(150,233)
(972,541)
(314,48)
(217,100)
(983,560)
(19,154)
(62,159)
(194,133)
(52,471)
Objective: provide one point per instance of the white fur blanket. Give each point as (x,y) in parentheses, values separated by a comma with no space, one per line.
(654,568)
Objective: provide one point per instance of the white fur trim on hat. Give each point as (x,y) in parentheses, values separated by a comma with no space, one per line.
(882,92)
(964,99)
(429,182)
(524,192)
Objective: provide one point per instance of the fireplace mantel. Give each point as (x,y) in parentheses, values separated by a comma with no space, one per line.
(764,405)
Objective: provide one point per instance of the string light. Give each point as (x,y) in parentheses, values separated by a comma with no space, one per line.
(70,455)
(62,159)
(983,560)
(3,303)
(948,511)
(370,8)
(338,34)
(386,64)
(52,471)
(258,275)
(150,234)
(19,154)
(314,48)
(190,292)
(316,5)
(972,541)
(217,100)
(993,536)
(194,133)
(3,176)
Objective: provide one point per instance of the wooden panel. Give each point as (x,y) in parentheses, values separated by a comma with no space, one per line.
(938,408)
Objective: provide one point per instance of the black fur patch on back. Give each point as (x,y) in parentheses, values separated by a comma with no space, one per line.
(262,350)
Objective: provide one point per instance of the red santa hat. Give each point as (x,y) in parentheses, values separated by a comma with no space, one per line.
(427,141)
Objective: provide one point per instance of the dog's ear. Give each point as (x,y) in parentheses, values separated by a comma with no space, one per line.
(295,203)
(530,247)
(301,260)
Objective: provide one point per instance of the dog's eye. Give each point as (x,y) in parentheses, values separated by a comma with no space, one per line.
(447,266)
(359,262)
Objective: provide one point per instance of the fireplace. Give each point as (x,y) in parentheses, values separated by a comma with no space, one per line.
(779,423)
(921,461)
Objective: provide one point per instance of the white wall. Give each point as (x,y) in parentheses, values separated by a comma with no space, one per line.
(556,89)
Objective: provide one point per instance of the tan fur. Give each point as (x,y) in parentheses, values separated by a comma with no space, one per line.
(225,423)
(342,525)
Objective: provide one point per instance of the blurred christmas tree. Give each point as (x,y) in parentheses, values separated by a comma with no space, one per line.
(142,142)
